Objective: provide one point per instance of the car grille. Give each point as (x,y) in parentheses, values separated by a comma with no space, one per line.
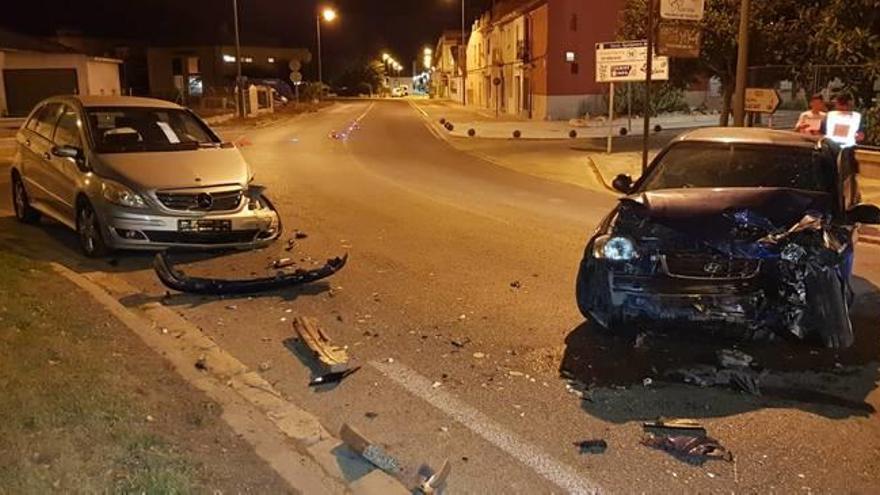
(171,237)
(707,266)
(195,201)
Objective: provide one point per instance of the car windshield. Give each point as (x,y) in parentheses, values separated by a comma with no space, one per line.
(138,129)
(697,164)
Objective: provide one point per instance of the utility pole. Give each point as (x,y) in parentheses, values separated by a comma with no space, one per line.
(238,89)
(742,62)
(320,71)
(652,4)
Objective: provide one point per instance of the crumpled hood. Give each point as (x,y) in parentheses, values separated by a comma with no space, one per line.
(175,169)
(710,213)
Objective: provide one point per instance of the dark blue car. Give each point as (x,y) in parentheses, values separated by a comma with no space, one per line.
(737,228)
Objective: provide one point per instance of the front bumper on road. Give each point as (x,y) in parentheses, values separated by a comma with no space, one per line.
(249,228)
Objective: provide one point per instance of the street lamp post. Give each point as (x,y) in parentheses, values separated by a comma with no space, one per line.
(329,15)
(462,53)
(238,89)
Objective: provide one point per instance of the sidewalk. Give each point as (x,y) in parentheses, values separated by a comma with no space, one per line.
(89,408)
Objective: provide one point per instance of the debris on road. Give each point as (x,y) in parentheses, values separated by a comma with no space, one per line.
(179,281)
(516,284)
(283,263)
(691,449)
(202,363)
(479,355)
(744,380)
(733,358)
(592,446)
(298,234)
(333,377)
(435,483)
(370,451)
(313,336)
(290,245)
(674,426)
(460,343)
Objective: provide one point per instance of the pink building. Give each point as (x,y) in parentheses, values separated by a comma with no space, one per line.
(536,58)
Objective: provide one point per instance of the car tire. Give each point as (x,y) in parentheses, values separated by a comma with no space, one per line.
(24,212)
(90,232)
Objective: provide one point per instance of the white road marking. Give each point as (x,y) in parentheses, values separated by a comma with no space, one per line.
(532,456)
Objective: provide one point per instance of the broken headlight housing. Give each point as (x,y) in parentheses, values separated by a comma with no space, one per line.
(615,248)
(121,195)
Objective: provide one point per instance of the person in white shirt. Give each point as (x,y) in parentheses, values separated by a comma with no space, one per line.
(810,122)
(843,125)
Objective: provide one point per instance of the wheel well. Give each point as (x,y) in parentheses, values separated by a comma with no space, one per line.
(81,199)
(14,173)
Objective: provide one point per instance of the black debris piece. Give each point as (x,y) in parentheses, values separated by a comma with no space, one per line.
(592,446)
(371,415)
(201,364)
(179,281)
(334,377)
(298,234)
(460,342)
(674,426)
(516,284)
(740,379)
(290,245)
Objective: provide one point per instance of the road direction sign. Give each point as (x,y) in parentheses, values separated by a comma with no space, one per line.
(762,100)
(296,77)
(621,61)
(682,10)
(679,40)
(294,65)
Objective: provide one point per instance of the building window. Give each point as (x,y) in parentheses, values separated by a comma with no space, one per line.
(573,23)
(228,58)
(574,68)
(271,60)
(247,60)
(570,57)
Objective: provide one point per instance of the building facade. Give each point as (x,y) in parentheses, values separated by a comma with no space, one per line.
(446,80)
(536,58)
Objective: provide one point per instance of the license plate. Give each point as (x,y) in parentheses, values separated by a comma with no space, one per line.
(204,225)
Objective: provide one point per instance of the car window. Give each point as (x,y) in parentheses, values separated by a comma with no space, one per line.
(134,129)
(707,164)
(34,120)
(67,132)
(46,118)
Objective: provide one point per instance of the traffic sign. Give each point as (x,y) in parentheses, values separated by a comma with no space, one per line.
(294,65)
(621,61)
(762,100)
(682,10)
(679,40)
(296,77)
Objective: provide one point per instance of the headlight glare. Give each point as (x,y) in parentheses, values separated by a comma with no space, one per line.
(615,248)
(118,194)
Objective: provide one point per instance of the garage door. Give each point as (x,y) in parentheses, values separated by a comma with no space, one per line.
(26,87)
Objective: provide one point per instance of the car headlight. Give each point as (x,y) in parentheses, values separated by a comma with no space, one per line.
(615,248)
(118,194)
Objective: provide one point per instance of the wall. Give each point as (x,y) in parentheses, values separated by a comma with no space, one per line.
(2,87)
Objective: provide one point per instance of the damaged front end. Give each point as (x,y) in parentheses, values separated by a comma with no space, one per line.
(179,281)
(751,261)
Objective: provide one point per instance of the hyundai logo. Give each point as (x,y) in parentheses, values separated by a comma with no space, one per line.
(712,268)
(205,201)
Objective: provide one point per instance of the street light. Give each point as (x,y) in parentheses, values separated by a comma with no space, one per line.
(329,15)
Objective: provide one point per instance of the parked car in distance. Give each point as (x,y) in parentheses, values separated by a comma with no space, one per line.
(400,91)
(136,173)
(747,229)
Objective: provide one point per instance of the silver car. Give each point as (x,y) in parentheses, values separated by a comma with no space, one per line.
(136,173)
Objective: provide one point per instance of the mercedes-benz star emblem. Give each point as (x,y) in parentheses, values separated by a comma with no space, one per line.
(712,268)
(204,201)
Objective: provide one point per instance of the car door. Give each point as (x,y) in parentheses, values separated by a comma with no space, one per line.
(64,174)
(35,154)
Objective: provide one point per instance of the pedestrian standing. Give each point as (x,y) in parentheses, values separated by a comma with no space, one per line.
(843,125)
(810,122)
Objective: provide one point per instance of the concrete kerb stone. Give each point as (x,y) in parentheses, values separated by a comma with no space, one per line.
(183,344)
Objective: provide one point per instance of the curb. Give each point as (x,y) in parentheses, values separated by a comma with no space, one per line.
(869,234)
(599,177)
(324,464)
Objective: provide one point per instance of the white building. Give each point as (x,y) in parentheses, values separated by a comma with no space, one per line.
(32,69)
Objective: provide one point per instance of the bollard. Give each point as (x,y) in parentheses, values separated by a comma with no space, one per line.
(472,132)
(572,133)
(517,134)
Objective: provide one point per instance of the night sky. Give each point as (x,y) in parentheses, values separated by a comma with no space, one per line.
(364,29)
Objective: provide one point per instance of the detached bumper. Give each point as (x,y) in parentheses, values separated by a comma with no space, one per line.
(248,229)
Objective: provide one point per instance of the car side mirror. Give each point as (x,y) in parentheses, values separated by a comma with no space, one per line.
(864,213)
(71,152)
(622,183)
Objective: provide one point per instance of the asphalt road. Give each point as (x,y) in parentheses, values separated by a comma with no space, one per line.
(458,301)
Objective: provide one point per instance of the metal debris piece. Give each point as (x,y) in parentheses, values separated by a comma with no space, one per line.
(333,377)
(368,450)
(202,363)
(436,482)
(691,449)
(460,342)
(179,281)
(733,358)
(283,263)
(598,446)
(314,337)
